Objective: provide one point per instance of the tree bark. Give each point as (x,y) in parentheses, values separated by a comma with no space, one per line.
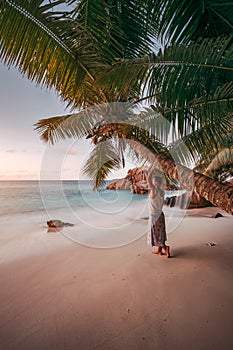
(219,194)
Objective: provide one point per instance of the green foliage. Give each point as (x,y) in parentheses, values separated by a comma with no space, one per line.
(221,167)
(179,74)
(103,159)
(50,48)
(118,26)
(96,53)
(182,21)
(67,50)
(199,144)
(218,163)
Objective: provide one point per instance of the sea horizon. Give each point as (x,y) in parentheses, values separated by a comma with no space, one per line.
(23,196)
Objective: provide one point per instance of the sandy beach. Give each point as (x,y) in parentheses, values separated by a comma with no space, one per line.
(116,116)
(57,294)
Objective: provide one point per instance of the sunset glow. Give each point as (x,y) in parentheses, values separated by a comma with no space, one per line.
(21,149)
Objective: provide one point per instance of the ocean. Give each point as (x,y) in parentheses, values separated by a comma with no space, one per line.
(103,219)
(100,218)
(18,197)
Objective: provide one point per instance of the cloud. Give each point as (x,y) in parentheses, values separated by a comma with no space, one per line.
(19,175)
(13,150)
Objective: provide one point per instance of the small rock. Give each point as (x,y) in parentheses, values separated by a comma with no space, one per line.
(218,215)
(52,230)
(58,223)
(211,244)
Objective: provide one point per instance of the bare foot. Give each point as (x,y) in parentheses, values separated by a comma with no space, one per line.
(159,251)
(167,250)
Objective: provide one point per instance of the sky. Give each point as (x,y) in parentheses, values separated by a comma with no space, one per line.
(23,155)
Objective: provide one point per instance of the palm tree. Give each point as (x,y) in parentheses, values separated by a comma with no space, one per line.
(112,138)
(103,52)
(60,44)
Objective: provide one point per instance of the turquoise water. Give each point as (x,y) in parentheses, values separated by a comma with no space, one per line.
(31,196)
(100,218)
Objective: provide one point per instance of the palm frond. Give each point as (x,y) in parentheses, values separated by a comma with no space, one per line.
(178,75)
(152,122)
(121,27)
(54,51)
(201,142)
(103,159)
(185,84)
(184,73)
(75,125)
(185,20)
(197,139)
(84,123)
(221,166)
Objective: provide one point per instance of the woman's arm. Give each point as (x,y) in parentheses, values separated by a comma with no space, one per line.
(151,185)
(152,193)
(149,179)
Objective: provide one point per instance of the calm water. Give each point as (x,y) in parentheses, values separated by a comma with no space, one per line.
(101,218)
(30,196)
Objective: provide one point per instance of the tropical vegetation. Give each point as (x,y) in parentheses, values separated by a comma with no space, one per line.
(152,79)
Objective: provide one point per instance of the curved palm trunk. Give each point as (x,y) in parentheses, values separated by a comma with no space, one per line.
(220,195)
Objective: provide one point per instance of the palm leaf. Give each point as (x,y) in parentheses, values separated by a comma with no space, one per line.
(222,165)
(177,65)
(200,143)
(75,125)
(185,84)
(185,20)
(153,122)
(51,50)
(103,159)
(184,73)
(83,123)
(121,27)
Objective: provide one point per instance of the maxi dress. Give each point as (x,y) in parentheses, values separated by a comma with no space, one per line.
(157,229)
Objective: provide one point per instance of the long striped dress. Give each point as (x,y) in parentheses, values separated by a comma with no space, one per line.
(157,229)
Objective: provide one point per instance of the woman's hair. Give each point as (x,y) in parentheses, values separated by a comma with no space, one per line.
(159,180)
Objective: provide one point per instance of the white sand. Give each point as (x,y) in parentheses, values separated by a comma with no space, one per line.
(57,294)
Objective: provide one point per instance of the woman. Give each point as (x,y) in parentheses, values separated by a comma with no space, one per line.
(157,230)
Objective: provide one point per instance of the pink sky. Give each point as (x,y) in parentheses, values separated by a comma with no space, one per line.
(21,151)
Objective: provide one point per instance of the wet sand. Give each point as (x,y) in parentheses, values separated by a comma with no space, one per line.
(57,294)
